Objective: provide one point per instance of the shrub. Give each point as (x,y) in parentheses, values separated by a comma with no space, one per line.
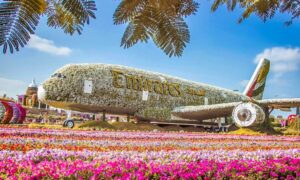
(96,124)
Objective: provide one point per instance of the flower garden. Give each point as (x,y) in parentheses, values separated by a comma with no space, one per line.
(79,154)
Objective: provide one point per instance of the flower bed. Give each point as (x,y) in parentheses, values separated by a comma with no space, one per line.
(76,154)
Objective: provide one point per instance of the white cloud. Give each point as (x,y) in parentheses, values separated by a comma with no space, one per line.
(47,46)
(283,60)
(12,87)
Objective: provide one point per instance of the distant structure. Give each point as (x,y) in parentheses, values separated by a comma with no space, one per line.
(4,97)
(30,99)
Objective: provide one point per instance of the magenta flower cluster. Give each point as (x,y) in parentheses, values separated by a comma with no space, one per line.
(285,168)
(59,154)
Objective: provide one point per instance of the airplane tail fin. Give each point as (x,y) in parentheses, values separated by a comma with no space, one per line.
(255,87)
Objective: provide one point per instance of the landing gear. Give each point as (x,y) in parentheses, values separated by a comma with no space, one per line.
(69,123)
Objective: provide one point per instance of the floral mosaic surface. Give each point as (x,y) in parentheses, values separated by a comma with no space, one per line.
(76,154)
(119,89)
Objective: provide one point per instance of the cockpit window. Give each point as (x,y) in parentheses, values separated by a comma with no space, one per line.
(58,75)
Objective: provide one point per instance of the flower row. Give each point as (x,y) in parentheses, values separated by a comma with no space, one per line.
(152,156)
(60,154)
(120,135)
(27,144)
(286,168)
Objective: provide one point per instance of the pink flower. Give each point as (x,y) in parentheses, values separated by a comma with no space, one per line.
(273,174)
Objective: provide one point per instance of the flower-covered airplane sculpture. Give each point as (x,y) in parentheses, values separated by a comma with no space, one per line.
(150,96)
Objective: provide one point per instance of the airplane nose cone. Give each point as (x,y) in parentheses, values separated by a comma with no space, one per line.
(41,93)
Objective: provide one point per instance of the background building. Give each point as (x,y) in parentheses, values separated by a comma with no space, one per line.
(30,99)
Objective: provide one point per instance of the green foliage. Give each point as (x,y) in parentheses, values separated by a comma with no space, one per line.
(280,129)
(19,18)
(293,128)
(231,4)
(96,124)
(265,9)
(275,124)
(292,7)
(295,125)
(70,15)
(162,21)
(120,126)
(128,126)
(135,126)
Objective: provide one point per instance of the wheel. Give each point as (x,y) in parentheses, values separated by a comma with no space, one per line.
(65,123)
(70,123)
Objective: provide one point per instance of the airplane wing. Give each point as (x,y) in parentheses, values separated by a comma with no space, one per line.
(280,103)
(202,112)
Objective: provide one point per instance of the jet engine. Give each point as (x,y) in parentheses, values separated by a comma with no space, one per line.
(248,114)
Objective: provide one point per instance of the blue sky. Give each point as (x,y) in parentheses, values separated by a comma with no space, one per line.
(221,52)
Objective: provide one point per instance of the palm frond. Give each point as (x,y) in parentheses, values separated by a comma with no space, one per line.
(18,19)
(187,7)
(70,15)
(292,7)
(231,4)
(181,8)
(140,29)
(134,33)
(216,4)
(81,9)
(127,10)
(160,20)
(265,9)
(172,36)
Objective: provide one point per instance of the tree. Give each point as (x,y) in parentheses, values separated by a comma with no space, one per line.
(19,18)
(265,9)
(159,20)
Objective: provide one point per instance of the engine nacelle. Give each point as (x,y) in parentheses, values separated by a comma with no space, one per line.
(248,114)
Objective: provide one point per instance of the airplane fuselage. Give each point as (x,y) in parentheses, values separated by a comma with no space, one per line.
(122,90)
